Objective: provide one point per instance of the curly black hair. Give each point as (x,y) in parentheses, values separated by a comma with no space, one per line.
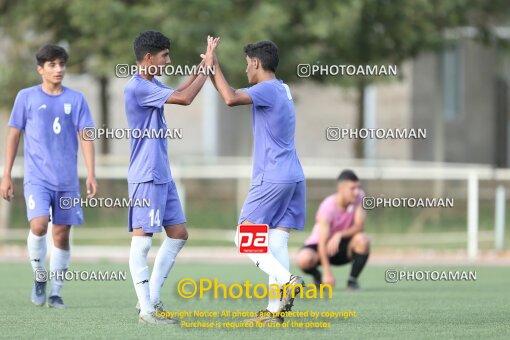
(266,51)
(150,42)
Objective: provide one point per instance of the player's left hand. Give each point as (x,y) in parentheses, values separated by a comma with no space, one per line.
(328,278)
(210,55)
(215,44)
(333,244)
(91,185)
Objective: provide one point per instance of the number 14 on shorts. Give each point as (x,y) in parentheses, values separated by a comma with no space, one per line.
(154,216)
(253,238)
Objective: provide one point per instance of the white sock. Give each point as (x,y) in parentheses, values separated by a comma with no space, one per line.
(37,251)
(278,240)
(59,262)
(139,269)
(270,265)
(162,265)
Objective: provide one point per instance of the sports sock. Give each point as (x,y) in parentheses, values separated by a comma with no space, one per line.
(59,262)
(278,240)
(37,251)
(269,264)
(164,262)
(314,272)
(140,246)
(358,262)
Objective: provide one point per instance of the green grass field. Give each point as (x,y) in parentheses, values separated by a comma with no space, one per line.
(383,310)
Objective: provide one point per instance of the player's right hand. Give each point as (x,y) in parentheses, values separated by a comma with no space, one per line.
(7,188)
(209,55)
(333,244)
(91,185)
(328,279)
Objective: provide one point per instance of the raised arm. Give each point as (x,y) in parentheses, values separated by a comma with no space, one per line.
(186,95)
(231,96)
(189,80)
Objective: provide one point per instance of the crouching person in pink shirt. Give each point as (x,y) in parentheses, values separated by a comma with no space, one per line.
(338,236)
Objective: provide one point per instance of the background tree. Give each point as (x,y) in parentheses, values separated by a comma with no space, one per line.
(99,35)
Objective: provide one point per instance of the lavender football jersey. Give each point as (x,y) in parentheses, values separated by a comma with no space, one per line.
(51,124)
(275,159)
(144,101)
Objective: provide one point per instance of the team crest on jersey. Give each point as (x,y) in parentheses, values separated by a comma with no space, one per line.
(67,108)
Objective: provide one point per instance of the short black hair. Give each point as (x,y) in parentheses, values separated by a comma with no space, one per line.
(51,53)
(347,175)
(266,51)
(150,42)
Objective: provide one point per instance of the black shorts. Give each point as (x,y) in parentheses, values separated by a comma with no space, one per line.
(341,257)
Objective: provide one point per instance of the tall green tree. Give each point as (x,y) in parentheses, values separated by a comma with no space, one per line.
(99,34)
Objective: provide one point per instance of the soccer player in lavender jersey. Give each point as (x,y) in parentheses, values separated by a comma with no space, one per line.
(149,175)
(277,193)
(51,117)
(337,237)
